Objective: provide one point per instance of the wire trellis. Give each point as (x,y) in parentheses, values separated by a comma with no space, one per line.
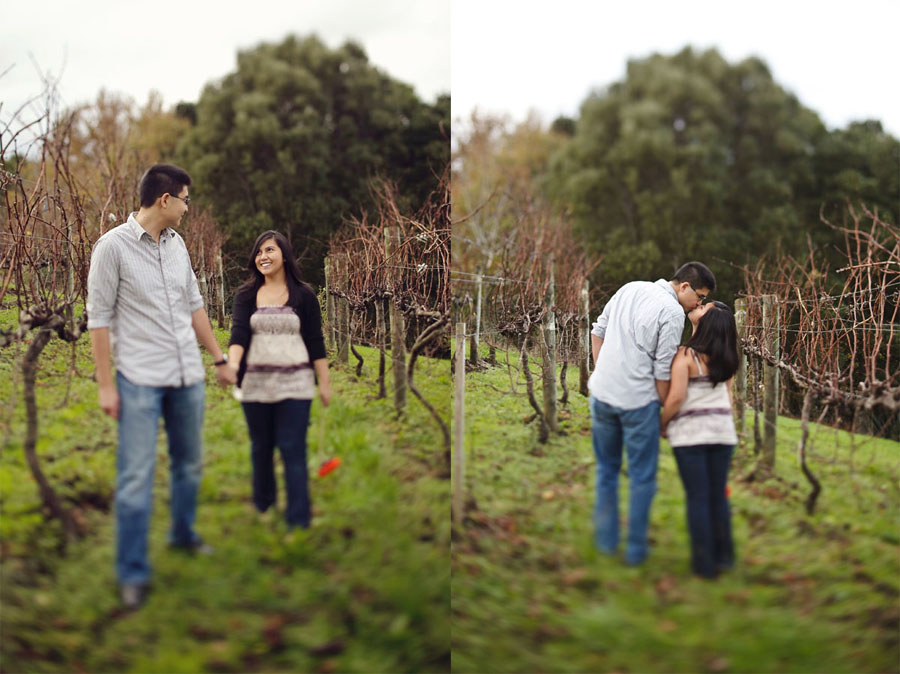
(844,347)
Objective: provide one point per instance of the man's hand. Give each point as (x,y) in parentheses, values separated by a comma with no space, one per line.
(108,396)
(109,401)
(596,345)
(226,375)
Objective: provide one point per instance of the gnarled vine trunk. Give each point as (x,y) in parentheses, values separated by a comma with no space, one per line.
(427,335)
(49,497)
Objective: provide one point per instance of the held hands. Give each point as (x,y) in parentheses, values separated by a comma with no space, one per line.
(226,374)
(109,401)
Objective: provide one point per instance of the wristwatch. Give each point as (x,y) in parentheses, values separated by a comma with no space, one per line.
(223,361)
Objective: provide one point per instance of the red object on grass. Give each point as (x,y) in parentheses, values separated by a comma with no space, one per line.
(727,491)
(328,466)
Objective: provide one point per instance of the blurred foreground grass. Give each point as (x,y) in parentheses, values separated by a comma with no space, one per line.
(365,590)
(530,594)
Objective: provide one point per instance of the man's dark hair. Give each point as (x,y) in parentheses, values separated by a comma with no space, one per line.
(161,179)
(716,337)
(697,274)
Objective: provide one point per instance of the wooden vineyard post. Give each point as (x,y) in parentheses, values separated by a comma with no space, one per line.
(220,272)
(380,333)
(398,341)
(459,452)
(345,310)
(770,381)
(201,279)
(549,360)
(340,307)
(584,341)
(473,344)
(740,377)
(329,305)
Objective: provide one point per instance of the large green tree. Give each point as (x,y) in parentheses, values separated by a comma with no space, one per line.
(691,157)
(292,138)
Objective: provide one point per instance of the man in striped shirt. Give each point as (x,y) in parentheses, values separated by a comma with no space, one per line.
(633,343)
(144,309)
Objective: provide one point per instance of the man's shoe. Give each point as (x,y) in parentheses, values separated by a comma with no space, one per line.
(133,595)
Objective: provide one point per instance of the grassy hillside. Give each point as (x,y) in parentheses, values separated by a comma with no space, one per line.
(530,594)
(365,590)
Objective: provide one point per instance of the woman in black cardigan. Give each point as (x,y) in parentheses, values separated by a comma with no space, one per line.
(277,351)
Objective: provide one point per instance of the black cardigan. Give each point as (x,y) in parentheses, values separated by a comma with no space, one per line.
(305,305)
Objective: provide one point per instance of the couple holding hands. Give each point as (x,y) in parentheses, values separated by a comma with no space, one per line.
(145,309)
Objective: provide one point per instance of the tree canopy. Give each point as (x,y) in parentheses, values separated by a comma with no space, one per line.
(691,157)
(293,137)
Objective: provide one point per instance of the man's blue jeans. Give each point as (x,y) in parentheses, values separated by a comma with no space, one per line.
(704,473)
(639,431)
(140,409)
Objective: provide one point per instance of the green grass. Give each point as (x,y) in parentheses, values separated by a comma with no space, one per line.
(530,594)
(365,590)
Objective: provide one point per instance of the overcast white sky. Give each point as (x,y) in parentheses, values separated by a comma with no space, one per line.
(177,47)
(839,57)
(508,56)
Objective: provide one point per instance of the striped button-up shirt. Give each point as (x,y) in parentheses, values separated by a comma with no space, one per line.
(641,328)
(145,293)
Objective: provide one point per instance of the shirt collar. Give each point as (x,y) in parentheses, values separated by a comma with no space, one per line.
(668,286)
(137,231)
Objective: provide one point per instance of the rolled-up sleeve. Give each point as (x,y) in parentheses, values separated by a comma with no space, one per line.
(599,327)
(103,285)
(667,346)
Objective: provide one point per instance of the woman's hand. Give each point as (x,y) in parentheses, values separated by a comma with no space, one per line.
(226,374)
(325,393)
(229,374)
(324,379)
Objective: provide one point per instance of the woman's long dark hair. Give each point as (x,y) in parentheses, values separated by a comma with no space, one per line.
(716,338)
(291,269)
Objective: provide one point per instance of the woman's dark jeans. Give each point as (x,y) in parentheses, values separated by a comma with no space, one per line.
(282,424)
(704,473)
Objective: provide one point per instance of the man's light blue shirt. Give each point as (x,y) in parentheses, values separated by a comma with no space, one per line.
(145,293)
(641,328)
